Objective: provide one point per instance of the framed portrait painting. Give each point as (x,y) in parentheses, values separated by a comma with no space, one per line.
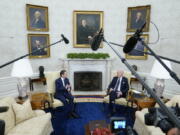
(85,25)
(139,49)
(35,43)
(137,16)
(37,18)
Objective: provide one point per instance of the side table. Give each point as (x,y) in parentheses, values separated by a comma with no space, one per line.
(145,102)
(35,80)
(40,100)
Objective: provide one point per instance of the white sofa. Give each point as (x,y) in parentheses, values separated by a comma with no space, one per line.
(39,124)
(140,126)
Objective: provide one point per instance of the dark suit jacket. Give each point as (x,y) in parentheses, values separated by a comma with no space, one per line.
(60,89)
(39,24)
(124,85)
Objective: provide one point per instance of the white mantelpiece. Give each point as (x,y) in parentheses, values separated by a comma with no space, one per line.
(97,65)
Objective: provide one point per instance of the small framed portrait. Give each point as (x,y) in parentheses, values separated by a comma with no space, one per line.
(37,18)
(85,25)
(137,16)
(36,42)
(139,49)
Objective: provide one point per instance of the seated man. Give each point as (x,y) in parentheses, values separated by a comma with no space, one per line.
(117,88)
(63,93)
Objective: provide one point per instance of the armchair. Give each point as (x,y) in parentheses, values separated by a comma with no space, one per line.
(120,101)
(50,79)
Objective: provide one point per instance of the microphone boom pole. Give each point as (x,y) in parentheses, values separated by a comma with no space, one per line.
(162,57)
(21,57)
(174,119)
(172,74)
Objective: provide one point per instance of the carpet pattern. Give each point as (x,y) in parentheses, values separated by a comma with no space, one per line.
(88,111)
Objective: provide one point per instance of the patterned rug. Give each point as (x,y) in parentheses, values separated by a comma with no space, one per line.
(88,111)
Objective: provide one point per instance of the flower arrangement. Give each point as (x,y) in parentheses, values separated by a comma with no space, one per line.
(102,131)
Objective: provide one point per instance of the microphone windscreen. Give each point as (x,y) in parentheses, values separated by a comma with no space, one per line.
(65,39)
(130,44)
(96,40)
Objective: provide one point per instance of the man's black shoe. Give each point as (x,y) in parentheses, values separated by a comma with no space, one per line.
(75,115)
(70,116)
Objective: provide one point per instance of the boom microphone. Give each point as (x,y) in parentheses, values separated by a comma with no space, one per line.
(130,44)
(65,39)
(96,40)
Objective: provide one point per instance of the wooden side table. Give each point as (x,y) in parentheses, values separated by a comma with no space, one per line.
(36,80)
(40,100)
(145,103)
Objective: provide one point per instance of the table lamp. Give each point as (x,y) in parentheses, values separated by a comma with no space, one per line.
(22,70)
(160,73)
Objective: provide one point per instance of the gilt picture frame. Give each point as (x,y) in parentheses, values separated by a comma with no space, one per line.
(138,55)
(85,25)
(36,42)
(37,18)
(137,16)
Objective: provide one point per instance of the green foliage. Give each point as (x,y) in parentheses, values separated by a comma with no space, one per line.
(88,55)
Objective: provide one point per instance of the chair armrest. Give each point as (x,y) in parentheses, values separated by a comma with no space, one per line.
(51,95)
(39,112)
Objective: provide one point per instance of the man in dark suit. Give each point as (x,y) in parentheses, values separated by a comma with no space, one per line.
(63,93)
(37,21)
(138,21)
(117,88)
(37,45)
(84,33)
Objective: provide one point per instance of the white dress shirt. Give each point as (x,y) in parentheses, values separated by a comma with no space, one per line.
(63,81)
(119,87)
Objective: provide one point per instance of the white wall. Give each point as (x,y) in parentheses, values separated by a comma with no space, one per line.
(13,32)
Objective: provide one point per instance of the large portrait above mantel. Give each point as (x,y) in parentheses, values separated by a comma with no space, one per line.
(85,25)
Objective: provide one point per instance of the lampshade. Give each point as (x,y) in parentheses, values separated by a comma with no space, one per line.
(158,71)
(22,68)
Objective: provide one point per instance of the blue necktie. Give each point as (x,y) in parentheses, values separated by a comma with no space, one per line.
(117,84)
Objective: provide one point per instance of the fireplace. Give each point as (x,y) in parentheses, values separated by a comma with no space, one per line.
(87,81)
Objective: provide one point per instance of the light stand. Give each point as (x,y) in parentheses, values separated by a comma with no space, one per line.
(174,119)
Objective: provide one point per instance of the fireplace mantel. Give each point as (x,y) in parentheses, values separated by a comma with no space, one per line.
(100,65)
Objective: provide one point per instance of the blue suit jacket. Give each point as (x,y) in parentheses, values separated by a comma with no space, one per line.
(124,85)
(60,89)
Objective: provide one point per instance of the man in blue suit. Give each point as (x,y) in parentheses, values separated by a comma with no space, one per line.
(63,93)
(117,88)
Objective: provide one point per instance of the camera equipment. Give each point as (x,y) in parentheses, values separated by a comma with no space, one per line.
(157,117)
(117,124)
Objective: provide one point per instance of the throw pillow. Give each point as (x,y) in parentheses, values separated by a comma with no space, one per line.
(23,112)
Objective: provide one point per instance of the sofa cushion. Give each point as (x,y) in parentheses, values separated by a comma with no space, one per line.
(34,126)
(23,112)
(8,116)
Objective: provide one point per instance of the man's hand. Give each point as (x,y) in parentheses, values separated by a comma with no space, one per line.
(110,90)
(119,94)
(68,87)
